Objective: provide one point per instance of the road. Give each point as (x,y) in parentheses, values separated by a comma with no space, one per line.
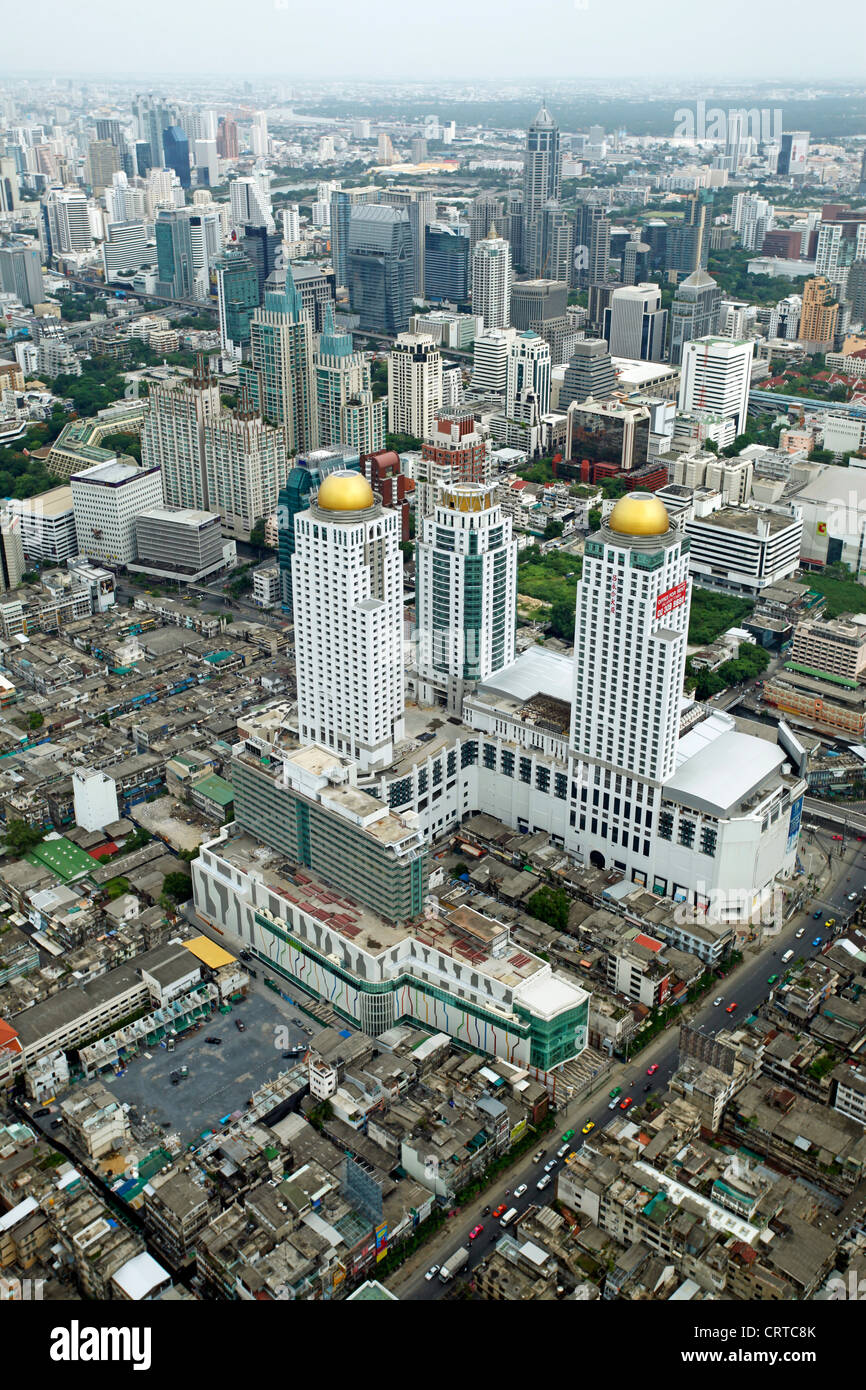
(747,986)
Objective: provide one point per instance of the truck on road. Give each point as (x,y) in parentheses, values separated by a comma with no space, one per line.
(453,1264)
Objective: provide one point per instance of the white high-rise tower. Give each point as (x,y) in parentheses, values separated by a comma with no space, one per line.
(347,582)
(491,280)
(466,592)
(629,655)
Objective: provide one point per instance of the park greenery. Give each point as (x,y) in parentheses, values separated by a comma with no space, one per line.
(729,270)
(750,661)
(21,838)
(551,578)
(712,614)
(550,905)
(842,592)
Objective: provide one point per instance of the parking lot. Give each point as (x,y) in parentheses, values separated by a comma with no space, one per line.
(220,1080)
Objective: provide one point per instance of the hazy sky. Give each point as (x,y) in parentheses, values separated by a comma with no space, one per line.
(438,39)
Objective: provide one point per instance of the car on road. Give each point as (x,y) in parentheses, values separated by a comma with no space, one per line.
(617,1091)
(589,1126)
(772,980)
(55,1124)
(569,1134)
(297,1022)
(731,1007)
(835,837)
(830,922)
(852,897)
(497,1211)
(519,1191)
(538,1155)
(625,1104)
(549,1167)
(817,941)
(540,1186)
(816,916)
(214,1042)
(432,1272)
(613,1104)
(651,1071)
(475,1232)
(240,1025)
(561,1152)
(801,932)
(719,999)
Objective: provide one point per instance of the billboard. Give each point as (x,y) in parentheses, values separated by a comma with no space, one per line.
(794,824)
(672,598)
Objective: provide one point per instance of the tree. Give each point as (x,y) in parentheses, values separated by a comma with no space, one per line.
(594,519)
(35,719)
(21,837)
(550,905)
(561,621)
(257,534)
(124,442)
(403,443)
(553,529)
(177,887)
(116,887)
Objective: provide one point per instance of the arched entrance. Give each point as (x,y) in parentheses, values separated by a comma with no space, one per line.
(596,859)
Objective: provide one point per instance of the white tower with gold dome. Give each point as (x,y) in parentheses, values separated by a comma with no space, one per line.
(347,581)
(629,654)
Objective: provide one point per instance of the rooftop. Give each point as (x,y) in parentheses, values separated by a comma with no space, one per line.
(718,768)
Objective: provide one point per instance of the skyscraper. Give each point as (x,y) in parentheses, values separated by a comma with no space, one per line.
(348,415)
(794,154)
(227,137)
(21,274)
(527,382)
(237,300)
(752,217)
(65,224)
(466,578)
(591,246)
(491,280)
(695,308)
(490,360)
(246,463)
(635,262)
(175,146)
(174,254)
(629,658)
(635,325)
(715,376)
(819,315)
(446,263)
(542,181)
(103,162)
(347,582)
(342,202)
(380,267)
(280,379)
(414,384)
(589,373)
(250,200)
(484,212)
(263,249)
(172,437)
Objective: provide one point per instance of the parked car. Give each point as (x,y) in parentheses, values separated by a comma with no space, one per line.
(835,837)
(560,1153)
(43,1110)
(55,1124)
(214,1042)
(612,1104)
(538,1155)
(772,980)
(432,1272)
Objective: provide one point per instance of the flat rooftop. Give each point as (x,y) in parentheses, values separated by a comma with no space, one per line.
(719,768)
(746,522)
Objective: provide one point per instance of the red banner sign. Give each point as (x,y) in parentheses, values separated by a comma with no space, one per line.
(672,598)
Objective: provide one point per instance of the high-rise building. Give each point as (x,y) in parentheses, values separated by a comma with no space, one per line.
(752,217)
(414,384)
(453,452)
(630,639)
(715,376)
(533,302)
(785,318)
(227,137)
(490,360)
(446,263)
(172,437)
(542,179)
(246,464)
(527,382)
(605,438)
(491,281)
(342,202)
(65,223)
(8,184)
(12,564)
(237,300)
(280,379)
(794,154)
(694,312)
(348,414)
(250,201)
(207,164)
(466,578)
(21,274)
(103,162)
(592,230)
(152,118)
(819,316)
(550,243)
(304,477)
(175,147)
(635,262)
(484,212)
(125,248)
(107,498)
(635,324)
(380,267)
(347,581)
(174,253)
(735,138)
(292,225)
(589,373)
(263,248)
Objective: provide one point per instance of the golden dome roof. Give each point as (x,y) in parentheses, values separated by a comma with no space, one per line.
(345,491)
(639,514)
